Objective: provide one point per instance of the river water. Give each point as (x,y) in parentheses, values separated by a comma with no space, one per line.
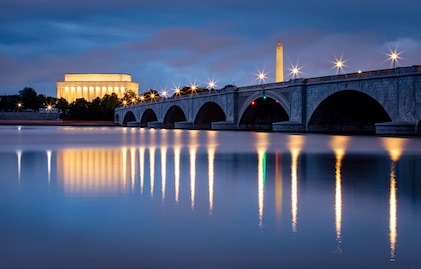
(106,197)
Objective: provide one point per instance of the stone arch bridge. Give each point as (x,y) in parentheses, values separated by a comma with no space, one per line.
(381,102)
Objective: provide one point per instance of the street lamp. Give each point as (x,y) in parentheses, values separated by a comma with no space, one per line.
(261,76)
(394,57)
(339,64)
(295,71)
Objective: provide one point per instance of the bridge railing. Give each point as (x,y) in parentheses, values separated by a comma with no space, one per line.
(365,74)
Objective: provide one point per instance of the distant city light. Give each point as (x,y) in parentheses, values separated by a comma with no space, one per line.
(142,98)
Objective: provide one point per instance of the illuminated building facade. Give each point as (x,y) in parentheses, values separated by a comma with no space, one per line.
(279,62)
(91,86)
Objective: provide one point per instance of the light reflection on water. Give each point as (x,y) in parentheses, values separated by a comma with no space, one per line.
(303,190)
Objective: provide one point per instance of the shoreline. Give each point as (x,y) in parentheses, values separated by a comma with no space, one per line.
(59,123)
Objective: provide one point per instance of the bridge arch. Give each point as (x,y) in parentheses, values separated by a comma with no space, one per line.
(129,116)
(208,113)
(347,111)
(148,115)
(261,112)
(174,114)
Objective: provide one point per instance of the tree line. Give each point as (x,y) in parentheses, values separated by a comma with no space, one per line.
(98,109)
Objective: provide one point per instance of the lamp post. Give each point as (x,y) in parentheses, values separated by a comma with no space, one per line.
(394,57)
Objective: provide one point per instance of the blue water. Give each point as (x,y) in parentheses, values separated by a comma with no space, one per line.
(81,197)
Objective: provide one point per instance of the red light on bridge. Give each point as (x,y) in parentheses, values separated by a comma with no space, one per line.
(253,103)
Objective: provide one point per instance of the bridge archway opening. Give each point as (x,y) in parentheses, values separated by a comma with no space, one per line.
(261,113)
(148,115)
(174,114)
(348,111)
(129,117)
(208,113)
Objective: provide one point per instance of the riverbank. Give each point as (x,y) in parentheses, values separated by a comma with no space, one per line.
(58,123)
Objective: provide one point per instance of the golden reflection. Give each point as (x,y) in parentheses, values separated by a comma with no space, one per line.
(152,168)
(211,166)
(278,187)
(49,153)
(124,158)
(19,156)
(395,147)
(339,144)
(393,208)
(193,148)
(261,183)
(94,171)
(177,153)
(142,168)
(296,143)
(163,144)
(192,175)
(163,171)
(132,167)
(211,175)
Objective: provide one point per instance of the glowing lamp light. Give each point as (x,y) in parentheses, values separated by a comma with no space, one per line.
(295,71)
(142,98)
(211,84)
(152,96)
(339,64)
(124,103)
(133,100)
(164,94)
(394,57)
(193,88)
(261,76)
(253,103)
(49,107)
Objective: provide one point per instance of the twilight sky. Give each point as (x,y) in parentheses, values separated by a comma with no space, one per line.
(168,43)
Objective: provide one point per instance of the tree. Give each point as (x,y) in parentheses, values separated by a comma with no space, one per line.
(29,98)
(79,109)
(129,95)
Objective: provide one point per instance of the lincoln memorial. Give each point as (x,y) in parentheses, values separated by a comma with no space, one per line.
(91,86)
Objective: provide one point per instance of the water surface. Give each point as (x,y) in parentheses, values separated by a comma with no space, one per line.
(81,197)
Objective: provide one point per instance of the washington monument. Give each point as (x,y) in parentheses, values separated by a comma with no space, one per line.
(279,62)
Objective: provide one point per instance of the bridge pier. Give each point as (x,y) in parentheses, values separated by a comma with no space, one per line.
(223,125)
(155,124)
(396,128)
(183,125)
(288,126)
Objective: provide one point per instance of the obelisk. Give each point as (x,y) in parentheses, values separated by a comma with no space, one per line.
(279,62)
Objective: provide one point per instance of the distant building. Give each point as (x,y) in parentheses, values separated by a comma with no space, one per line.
(91,86)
